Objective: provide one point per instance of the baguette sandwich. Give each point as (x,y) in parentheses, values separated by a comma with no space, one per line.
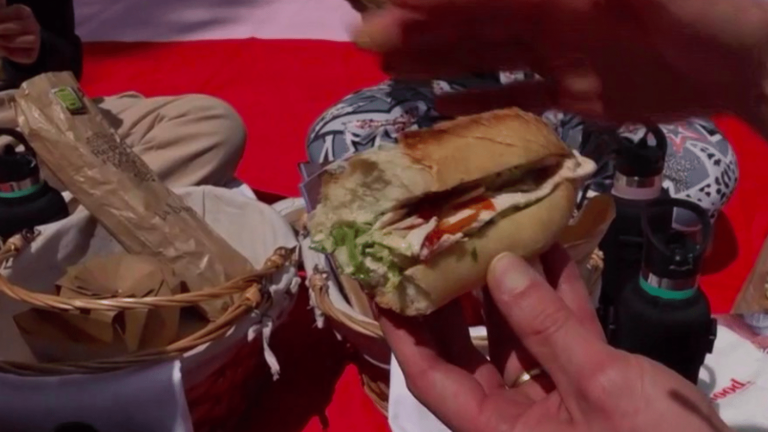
(418,224)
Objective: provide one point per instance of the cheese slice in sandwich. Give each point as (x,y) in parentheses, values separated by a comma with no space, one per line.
(418,224)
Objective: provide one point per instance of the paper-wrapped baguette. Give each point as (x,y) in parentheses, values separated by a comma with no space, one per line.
(418,224)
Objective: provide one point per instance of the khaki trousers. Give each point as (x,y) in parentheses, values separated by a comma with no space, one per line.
(187,140)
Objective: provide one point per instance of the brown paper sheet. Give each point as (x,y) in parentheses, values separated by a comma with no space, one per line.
(583,235)
(80,336)
(76,143)
(753,297)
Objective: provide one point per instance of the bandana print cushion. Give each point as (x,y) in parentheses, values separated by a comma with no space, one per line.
(376,115)
(700,165)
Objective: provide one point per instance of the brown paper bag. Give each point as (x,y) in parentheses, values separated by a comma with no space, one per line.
(583,235)
(127,276)
(79,336)
(86,155)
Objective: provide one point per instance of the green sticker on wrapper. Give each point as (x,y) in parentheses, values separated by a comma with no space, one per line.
(70,99)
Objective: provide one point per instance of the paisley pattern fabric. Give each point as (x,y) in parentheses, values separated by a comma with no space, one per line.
(700,164)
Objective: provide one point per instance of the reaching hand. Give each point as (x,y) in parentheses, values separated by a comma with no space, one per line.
(580,384)
(617,60)
(19,33)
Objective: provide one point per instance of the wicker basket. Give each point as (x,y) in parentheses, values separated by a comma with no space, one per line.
(225,368)
(344,306)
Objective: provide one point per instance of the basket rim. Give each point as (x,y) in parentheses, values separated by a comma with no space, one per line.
(17,244)
(319,284)
(253,298)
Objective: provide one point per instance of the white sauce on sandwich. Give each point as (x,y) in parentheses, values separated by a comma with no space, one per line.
(390,218)
(465,215)
(417,236)
(575,168)
(458,216)
(442,244)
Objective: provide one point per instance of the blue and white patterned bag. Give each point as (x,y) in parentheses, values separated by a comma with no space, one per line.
(700,167)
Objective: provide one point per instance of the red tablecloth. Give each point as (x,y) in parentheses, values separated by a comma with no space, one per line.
(280,87)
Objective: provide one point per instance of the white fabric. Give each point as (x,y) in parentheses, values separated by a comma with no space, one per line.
(241,187)
(185,20)
(293,209)
(150,399)
(735,377)
(155,396)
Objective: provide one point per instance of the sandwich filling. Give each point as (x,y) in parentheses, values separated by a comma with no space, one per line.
(377,252)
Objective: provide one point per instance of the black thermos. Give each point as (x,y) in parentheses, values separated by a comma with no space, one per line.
(26,200)
(639,167)
(662,314)
(75,427)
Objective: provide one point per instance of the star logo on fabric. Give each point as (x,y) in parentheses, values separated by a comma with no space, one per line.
(678,136)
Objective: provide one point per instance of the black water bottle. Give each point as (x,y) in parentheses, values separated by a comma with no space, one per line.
(639,166)
(75,427)
(26,200)
(662,314)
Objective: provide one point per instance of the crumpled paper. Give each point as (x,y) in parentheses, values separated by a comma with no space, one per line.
(92,334)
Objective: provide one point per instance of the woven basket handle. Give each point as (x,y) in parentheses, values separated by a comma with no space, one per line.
(247,285)
(318,283)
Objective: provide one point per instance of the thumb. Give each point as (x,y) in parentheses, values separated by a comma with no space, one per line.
(552,333)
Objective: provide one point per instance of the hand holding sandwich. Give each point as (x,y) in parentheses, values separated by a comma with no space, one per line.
(19,33)
(585,385)
(629,60)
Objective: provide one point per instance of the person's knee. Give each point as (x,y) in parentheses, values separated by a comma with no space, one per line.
(225,127)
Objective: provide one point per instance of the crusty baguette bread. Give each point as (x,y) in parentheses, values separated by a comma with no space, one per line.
(433,160)
(372,183)
(453,272)
(473,147)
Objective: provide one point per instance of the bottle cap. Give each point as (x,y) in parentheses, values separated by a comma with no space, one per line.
(643,158)
(75,427)
(17,167)
(18,170)
(669,253)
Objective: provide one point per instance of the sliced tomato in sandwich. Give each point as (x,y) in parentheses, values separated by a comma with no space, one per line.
(456,222)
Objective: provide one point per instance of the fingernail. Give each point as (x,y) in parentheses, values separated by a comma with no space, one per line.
(510,273)
(536,265)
